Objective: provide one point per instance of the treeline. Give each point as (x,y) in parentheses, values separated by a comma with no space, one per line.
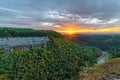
(60,59)
(19,32)
(115,52)
(106,42)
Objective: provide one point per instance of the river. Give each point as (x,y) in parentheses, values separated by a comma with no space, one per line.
(103,57)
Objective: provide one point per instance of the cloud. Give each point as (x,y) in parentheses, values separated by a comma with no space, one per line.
(54,14)
(10,10)
(98,22)
(22,17)
(113,21)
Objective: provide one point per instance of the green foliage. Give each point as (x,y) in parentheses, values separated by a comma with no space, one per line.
(18,32)
(106,42)
(1,51)
(115,52)
(58,60)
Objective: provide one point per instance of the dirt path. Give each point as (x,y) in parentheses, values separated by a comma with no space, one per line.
(103,57)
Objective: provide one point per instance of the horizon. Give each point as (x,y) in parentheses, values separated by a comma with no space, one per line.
(92,17)
(73,33)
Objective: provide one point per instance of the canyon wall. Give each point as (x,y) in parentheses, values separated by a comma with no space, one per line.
(12,42)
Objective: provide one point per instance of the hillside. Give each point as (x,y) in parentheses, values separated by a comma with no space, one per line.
(109,70)
(109,43)
(59,59)
(105,42)
(19,32)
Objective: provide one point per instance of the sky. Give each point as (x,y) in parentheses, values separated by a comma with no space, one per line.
(82,16)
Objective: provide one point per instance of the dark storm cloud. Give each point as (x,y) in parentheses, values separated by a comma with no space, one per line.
(83,12)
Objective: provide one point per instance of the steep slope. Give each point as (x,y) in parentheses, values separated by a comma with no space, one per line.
(59,59)
(109,70)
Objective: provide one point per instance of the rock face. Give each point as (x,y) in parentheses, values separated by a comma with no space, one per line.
(12,42)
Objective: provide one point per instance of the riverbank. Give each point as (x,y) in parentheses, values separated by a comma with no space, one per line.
(103,57)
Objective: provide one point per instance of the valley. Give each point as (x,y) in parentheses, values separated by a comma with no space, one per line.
(67,57)
(103,57)
(59,39)
(109,45)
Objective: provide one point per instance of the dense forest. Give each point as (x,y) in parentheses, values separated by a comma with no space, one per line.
(59,59)
(110,70)
(19,32)
(106,42)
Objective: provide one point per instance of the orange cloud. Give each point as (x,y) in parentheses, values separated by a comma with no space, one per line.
(74,28)
(110,30)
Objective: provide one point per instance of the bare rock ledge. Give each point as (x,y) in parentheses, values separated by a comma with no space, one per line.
(12,42)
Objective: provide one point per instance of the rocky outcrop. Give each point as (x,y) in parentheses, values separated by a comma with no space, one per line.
(12,42)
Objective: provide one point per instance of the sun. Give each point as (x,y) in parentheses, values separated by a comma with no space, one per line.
(70,32)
